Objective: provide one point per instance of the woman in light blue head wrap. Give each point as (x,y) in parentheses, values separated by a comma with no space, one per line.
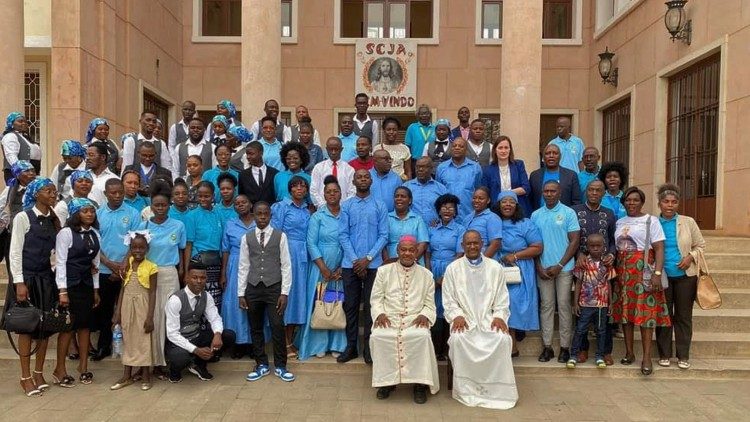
(81,182)
(23,173)
(34,279)
(77,249)
(227,109)
(74,158)
(98,131)
(219,126)
(522,242)
(17,145)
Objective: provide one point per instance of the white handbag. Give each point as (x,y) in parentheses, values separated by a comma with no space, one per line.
(512,274)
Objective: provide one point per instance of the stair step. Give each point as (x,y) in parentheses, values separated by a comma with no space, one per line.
(731,279)
(722,320)
(728,261)
(734,298)
(728,244)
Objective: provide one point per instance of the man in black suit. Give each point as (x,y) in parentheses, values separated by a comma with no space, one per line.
(256,181)
(148,168)
(570,192)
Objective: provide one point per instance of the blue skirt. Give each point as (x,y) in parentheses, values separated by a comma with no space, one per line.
(234,318)
(297,307)
(524,299)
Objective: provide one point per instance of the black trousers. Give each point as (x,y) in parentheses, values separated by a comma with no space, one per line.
(356,290)
(261,302)
(101,318)
(680,296)
(179,358)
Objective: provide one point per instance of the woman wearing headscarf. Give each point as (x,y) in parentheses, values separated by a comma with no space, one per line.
(242,137)
(17,145)
(219,127)
(227,109)
(77,252)
(31,276)
(98,131)
(522,242)
(11,201)
(82,181)
(73,158)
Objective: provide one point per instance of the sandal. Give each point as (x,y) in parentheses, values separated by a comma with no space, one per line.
(32,392)
(86,378)
(683,364)
(66,381)
(664,362)
(74,356)
(627,360)
(43,386)
(291,352)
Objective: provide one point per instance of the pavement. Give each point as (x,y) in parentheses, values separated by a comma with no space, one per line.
(320,395)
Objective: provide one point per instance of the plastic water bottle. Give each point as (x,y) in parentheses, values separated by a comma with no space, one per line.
(117,341)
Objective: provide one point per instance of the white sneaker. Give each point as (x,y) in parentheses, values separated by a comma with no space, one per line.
(321,354)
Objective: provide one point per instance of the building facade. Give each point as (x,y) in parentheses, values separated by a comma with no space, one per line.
(675,113)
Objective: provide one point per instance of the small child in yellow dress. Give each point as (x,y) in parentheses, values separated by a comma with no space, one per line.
(135,311)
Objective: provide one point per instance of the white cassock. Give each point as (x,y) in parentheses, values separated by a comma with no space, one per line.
(403,353)
(482,368)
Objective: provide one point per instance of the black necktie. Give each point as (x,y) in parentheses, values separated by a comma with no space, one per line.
(260,180)
(439,149)
(262,239)
(88,240)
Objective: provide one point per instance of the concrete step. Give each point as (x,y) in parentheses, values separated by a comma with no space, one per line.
(727,244)
(731,279)
(728,261)
(733,299)
(722,320)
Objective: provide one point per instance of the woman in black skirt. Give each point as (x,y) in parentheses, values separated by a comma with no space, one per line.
(31,276)
(77,278)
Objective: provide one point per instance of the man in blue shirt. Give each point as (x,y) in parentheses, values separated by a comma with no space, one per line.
(384,180)
(363,232)
(348,138)
(571,146)
(425,190)
(116,219)
(590,168)
(420,133)
(560,234)
(460,176)
(271,145)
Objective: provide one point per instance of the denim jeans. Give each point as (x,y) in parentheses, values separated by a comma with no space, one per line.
(598,318)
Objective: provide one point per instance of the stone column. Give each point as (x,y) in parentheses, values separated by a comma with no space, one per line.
(521,70)
(12,63)
(261,56)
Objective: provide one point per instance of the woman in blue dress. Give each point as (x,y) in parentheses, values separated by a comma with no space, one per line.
(326,254)
(295,158)
(291,216)
(615,176)
(522,242)
(204,231)
(234,231)
(223,154)
(445,246)
(227,192)
(486,222)
(402,221)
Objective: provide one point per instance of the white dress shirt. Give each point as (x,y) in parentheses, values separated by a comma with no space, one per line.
(11,143)
(345,177)
(128,152)
(62,245)
(256,171)
(172,311)
(97,189)
(360,125)
(244,266)
(66,188)
(192,149)
(21,226)
(255,130)
(172,137)
(61,210)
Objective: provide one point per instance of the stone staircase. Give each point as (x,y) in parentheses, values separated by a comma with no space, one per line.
(720,348)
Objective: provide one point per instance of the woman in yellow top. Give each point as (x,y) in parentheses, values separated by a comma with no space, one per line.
(135,311)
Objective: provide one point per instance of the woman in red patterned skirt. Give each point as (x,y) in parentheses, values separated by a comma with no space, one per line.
(638,297)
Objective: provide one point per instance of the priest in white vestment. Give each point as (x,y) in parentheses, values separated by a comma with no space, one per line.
(403,310)
(476,304)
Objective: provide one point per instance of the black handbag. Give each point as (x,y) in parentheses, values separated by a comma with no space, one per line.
(57,320)
(22,318)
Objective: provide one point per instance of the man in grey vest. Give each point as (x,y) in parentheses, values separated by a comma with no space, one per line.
(132,141)
(363,124)
(179,131)
(194,328)
(283,132)
(264,278)
(195,144)
(303,115)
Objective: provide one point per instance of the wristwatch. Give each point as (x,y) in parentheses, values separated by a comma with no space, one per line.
(368,258)
(657,273)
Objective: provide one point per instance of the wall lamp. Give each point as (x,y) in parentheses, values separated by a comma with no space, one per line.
(677,22)
(606,70)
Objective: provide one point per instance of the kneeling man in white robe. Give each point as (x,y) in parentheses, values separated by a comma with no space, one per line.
(403,308)
(476,304)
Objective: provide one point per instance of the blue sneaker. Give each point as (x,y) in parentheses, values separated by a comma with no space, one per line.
(259,372)
(284,375)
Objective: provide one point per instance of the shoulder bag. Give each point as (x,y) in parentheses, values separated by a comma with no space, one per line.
(707,296)
(327,315)
(512,274)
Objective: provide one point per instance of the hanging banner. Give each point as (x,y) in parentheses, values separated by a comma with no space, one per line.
(386,70)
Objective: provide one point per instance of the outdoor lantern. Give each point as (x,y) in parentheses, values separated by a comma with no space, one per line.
(676,21)
(606,71)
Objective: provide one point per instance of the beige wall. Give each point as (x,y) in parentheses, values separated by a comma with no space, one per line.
(645,53)
(37,18)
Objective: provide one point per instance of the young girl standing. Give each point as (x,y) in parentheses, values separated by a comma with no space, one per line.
(135,311)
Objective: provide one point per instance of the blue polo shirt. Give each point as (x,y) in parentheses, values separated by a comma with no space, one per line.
(363,230)
(139,202)
(571,151)
(383,187)
(672,255)
(555,224)
(167,239)
(417,136)
(272,153)
(584,178)
(349,146)
(425,195)
(177,214)
(113,226)
(613,203)
(204,229)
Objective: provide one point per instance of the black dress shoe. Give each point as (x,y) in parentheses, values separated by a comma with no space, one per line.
(101,354)
(348,355)
(520,335)
(366,355)
(547,354)
(420,394)
(384,392)
(564,355)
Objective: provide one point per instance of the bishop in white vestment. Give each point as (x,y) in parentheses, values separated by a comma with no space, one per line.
(403,308)
(476,304)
